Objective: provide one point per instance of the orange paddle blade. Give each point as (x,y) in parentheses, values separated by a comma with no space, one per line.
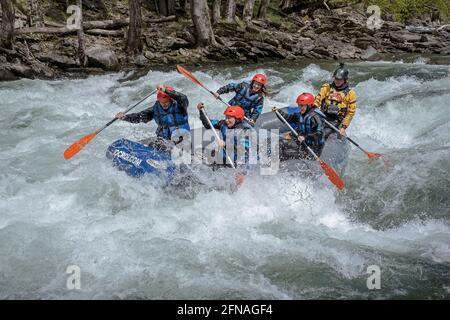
(332,175)
(189,75)
(374,155)
(77,146)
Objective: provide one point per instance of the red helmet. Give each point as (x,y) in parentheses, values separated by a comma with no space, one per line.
(164,97)
(260,78)
(234,111)
(305,99)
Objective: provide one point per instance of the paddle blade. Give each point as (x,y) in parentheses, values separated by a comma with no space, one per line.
(189,75)
(77,146)
(374,155)
(332,175)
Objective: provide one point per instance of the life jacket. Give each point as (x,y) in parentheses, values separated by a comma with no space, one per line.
(224,129)
(334,105)
(246,99)
(170,119)
(305,127)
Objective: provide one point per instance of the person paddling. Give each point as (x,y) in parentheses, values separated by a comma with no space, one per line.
(169,113)
(309,126)
(249,96)
(235,124)
(337,101)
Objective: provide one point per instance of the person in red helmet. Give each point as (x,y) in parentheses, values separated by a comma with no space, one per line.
(233,123)
(169,113)
(249,96)
(308,123)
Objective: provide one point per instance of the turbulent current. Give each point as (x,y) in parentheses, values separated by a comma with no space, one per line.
(278,237)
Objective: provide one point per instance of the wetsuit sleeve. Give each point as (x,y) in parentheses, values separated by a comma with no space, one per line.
(316,128)
(230,87)
(258,109)
(215,123)
(179,97)
(322,95)
(350,101)
(289,117)
(143,116)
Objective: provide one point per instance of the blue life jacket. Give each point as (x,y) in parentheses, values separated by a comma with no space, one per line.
(247,100)
(170,119)
(245,142)
(305,127)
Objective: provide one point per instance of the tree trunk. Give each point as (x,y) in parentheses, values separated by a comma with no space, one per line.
(7,28)
(216,11)
(186,6)
(134,42)
(247,14)
(82,59)
(36,19)
(231,11)
(202,23)
(262,11)
(166,7)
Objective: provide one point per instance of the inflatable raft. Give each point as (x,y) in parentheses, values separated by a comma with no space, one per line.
(154,155)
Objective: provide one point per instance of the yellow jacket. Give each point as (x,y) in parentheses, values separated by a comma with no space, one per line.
(337,104)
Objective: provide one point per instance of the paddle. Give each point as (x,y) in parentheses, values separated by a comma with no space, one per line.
(80,144)
(329,172)
(371,155)
(189,75)
(216,135)
(239,178)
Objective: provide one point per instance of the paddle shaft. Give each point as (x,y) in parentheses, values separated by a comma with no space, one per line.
(217,136)
(189,75)
(296,134)
(337,130)
(129,109)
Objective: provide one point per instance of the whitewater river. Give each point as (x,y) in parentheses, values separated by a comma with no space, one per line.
(278,237)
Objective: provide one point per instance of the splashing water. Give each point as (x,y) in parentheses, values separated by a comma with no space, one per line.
(279,237)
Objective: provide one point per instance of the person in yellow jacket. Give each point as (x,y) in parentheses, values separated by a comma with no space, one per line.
(337,101)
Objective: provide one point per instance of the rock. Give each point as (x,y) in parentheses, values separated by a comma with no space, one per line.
(428,44)
(369,54)
(57,60)
(402,37)
(102,57)
(364,43)
(6,75)
(321,51)
(445,50)
(272,41)
(140,61)
(178,43)
(271,50)
(21,70)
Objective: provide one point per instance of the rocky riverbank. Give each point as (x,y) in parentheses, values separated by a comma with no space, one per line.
(339,34)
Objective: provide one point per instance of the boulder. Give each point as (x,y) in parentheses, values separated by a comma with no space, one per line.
(6,75)
(370,54)
(102,57)
(21,70)
(57,60)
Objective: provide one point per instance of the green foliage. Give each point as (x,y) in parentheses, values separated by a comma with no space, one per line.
(405,10)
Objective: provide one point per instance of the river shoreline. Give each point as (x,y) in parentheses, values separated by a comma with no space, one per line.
(336,35)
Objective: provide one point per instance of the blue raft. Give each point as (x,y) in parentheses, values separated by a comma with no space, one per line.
(137,159)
